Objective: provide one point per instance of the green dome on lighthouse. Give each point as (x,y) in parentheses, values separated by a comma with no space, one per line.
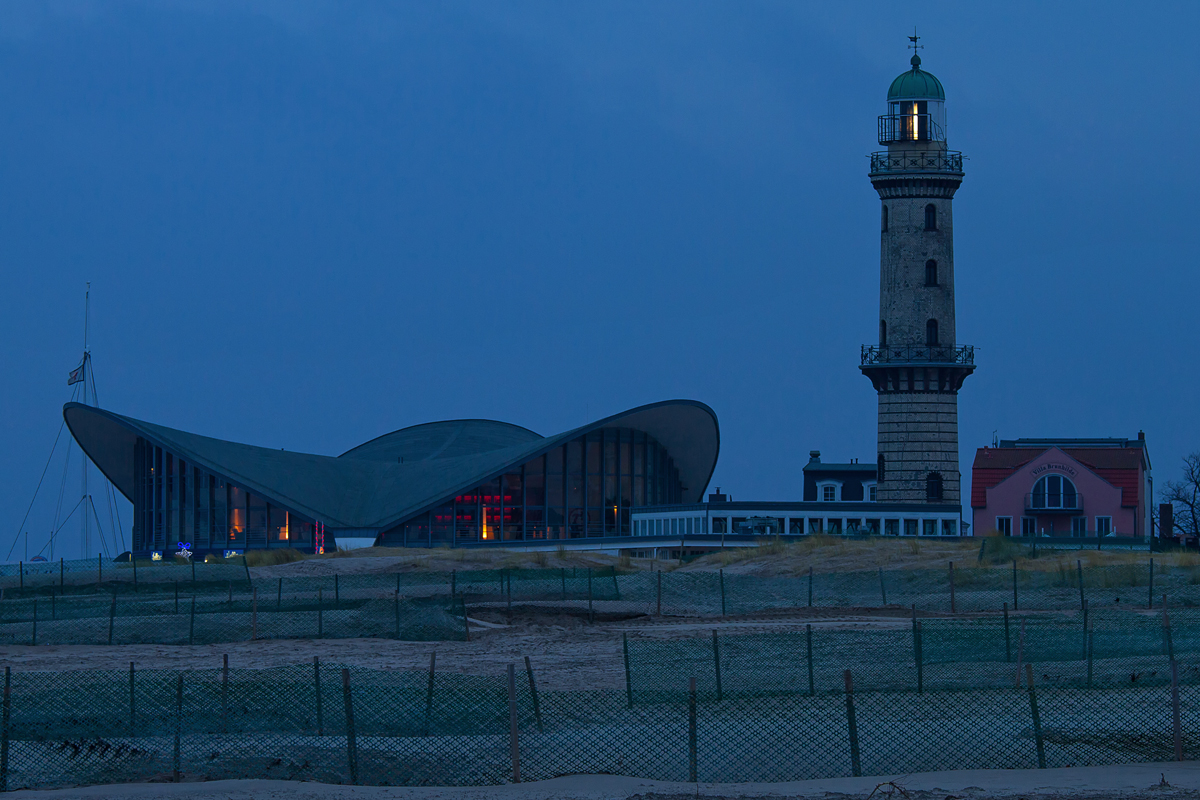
(916,84)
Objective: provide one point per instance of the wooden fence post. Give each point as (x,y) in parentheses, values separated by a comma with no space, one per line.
(317,694)
(692,730)
(852,726)
(659,591)
(132,702)
(1079,572)
(279,595)
(513,728)
(721,577)
(952,609)
(429,691)
(717,663)
(628,678)
(812,684)
(1178,729)
(396,603)
(537,707)
(1166,622)
(4,729)
(1020,652)
(1007,637)
(178,722)
(246,566)
(1037,719)
(225,693)
(351,743)
(112,617)
(1091,648)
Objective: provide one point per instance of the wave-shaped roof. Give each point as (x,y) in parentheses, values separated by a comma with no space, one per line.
(387,480)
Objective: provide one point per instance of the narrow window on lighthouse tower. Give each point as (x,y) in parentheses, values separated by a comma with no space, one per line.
(931,217)
(933,486)
(885,219)
(882,333)
(931,273)
(931,333)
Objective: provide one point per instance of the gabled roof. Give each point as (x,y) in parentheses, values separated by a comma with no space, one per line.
(1116,461)
(370,486)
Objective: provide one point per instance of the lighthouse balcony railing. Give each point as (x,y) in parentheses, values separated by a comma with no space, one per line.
(917,161)
(918,354)
(896,128)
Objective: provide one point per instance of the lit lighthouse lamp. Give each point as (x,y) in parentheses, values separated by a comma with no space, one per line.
(916,109)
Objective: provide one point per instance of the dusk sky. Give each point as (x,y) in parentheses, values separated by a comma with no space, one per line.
(310,223)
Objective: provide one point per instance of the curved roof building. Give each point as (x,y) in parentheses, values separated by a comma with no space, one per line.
(440,483)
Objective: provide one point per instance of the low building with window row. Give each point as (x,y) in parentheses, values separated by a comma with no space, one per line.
(1063,487)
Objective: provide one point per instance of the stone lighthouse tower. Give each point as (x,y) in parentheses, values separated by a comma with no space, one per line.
(917,367)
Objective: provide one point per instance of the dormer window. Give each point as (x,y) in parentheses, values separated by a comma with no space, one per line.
(829,491)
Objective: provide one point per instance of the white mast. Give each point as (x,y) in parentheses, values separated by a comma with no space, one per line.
(86,500)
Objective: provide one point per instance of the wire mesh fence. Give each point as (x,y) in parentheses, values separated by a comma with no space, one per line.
(95,602)
(337,724)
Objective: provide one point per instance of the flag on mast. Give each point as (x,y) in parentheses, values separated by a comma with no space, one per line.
(76,375)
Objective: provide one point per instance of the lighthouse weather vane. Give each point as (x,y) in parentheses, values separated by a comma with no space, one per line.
(914,38)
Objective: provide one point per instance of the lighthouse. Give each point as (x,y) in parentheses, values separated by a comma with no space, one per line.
(917,366)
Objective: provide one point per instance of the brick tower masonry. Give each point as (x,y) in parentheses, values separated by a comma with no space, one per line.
(917,368)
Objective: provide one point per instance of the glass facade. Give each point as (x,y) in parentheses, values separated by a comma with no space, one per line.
(175,501)
(583,488)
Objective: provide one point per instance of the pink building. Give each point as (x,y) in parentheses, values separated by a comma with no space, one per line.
(1062,487)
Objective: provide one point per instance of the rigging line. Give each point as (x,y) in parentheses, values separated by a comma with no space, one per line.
(63,486)
(35,491)
(63,525)
(108,497)
(117,506)
(99,529)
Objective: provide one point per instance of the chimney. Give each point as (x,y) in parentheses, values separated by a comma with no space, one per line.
(814,456)
(1141,436)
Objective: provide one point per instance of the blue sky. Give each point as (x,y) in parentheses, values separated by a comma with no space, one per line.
(309,223)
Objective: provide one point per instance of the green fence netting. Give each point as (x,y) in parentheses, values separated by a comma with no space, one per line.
(328,723)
